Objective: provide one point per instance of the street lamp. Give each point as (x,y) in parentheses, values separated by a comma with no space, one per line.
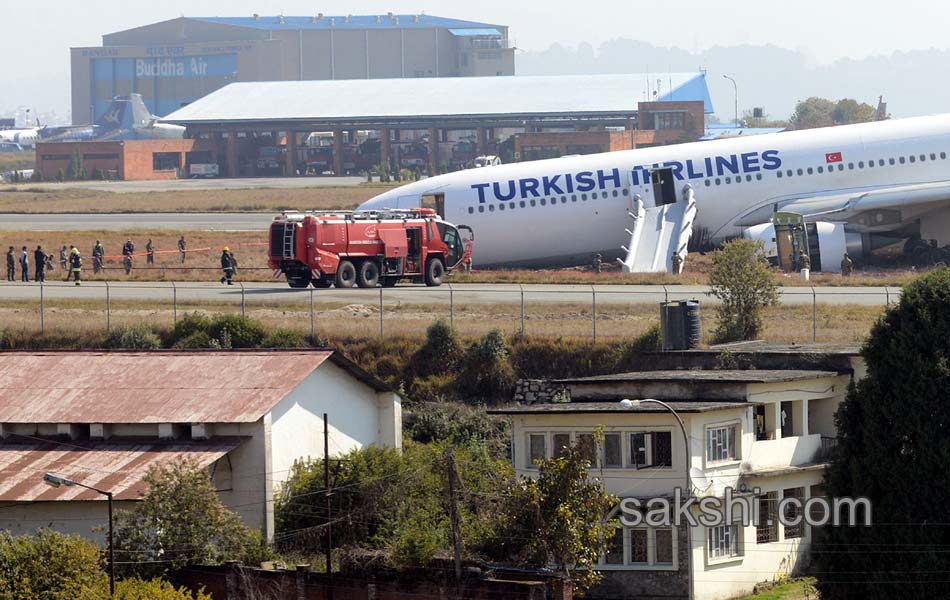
(57,481)
(635,404)
(735,87)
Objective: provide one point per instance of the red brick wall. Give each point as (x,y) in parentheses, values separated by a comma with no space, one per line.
(133,158)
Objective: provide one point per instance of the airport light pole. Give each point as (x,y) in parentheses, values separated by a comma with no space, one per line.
(635,404)
(735,88)
(57,481)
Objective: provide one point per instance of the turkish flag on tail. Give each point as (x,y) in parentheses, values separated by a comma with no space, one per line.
(833,157)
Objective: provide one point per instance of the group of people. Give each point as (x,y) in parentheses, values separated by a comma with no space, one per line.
(70,261)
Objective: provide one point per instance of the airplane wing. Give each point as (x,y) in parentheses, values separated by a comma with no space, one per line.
(904,200)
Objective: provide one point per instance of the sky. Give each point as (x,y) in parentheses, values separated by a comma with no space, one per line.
(37,34)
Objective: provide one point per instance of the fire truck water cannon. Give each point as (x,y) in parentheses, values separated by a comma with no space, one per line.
(366,248)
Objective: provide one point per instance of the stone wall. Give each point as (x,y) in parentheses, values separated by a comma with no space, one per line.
(537,391)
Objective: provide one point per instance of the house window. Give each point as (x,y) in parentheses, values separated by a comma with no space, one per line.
(536,448)
(723,541)
(794,511)
(670,120)
(642,547)
(587,447)
(721,444)
(614,555)
(766,526)
(562,441)
(639,550)
(651,450)
(613,450)
(166,161)
(664,546)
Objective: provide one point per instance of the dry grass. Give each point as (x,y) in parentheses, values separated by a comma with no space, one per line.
(17,161)
(336,319)
(36,199)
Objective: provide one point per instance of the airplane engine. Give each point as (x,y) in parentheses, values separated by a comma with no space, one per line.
(825,240)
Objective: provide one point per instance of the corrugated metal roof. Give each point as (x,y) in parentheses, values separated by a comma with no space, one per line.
(140,387)
(473,32)
(278,22)
(613,406)
(353,99)
(116,467)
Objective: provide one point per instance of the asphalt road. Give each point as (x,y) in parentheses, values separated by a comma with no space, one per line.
(196,184)
(412,294)
(131,221)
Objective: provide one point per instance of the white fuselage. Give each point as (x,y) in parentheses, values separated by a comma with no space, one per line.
(564,210)
(25,137)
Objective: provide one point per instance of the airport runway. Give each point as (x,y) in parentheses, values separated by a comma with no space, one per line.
(131,221)
(171,185)
(411,294)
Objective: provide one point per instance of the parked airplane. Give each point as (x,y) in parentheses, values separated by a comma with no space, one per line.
(25,138)
(126,119)
(860,186)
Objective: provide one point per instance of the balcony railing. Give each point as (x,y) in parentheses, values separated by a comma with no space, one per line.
(826,449)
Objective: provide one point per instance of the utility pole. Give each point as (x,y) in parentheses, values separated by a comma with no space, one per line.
(454,513)
(328,548)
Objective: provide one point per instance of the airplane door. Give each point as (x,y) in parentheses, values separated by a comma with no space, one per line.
(435,202)
(664,188)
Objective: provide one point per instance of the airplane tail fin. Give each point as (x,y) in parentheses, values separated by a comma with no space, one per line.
(126,112)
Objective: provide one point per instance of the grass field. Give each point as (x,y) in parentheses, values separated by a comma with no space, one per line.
(35,199)
(797,589)
(17,161)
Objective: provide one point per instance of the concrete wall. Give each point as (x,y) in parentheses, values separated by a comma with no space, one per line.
(90,519)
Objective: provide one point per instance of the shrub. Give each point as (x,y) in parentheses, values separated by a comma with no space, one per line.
(243,332)
(440,354)
(153,589)
(284,338)
(487,375)
(195,341)
(134,337)
(457,424)
(49,565)
(189,325)
(744,283)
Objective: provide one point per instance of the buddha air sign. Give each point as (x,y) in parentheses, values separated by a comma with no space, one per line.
(185,66)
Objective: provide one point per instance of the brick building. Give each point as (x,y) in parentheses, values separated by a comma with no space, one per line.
(128,160)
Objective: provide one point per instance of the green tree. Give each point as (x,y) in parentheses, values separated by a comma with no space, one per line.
(561,517)
(849,111)
(181,520)
(764,121)
(894,449)
(487,374)
(76,168)
(744,284)
(811,113)
(48,565)
(440,354)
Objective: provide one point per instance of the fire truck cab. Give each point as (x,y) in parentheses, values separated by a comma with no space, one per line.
(366,248)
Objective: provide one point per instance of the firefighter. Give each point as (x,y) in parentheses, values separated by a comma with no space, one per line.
(75,265)
(150,252)
(677,262)
(181,249)
(11,264)
(39,264)
(63,258)
(129,248)
(127,263)
(597,264)
(24,265)
(804,262)
(227,265)
(98,252)
(847,265)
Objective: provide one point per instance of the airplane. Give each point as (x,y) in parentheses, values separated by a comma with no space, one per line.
(24,137)
(859,187)
(127,118)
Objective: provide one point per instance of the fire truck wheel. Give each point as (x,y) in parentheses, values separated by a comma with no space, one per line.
(299,282)
(367,276)
(435,271)
(345,275)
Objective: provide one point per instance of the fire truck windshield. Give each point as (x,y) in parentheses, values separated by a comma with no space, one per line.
(450,235)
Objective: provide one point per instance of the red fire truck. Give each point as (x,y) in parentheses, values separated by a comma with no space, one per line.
(366,248)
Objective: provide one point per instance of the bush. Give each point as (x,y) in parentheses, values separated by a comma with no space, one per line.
(49,565)
(284,338)
(487,375)
(153,589)
(744,283)
(195,341)
(457,424)
(134,337)
(440,354)
(188,326)
(242,331)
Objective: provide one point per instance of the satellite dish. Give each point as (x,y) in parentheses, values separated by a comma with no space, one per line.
(698,478)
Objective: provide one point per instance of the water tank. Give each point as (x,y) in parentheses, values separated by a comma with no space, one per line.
(680,325)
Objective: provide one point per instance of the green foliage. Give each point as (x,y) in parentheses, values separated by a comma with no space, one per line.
(441,352)
(187,326)
(283,338)
(744,283)
(821,112)
(181,520)
(487,374)
(134,337)
(457,424)
(560,518)
(244,332)
(60,176)
(893,449)
(197,330)
(49,565)
(153,589)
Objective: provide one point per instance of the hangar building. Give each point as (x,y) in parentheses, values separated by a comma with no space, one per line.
(175,62)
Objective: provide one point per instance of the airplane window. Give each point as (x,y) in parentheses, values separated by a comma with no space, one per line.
(553,202)
(625,192)
(481,209)
(522,204)
(870,164)
(584,197)
(778,174)
(758,176)
(841,166)
(543,201)
(923,157)
(943,156)
(933,156)
(880,163)
(616,193)
(789,172)
(749,177)
(913,158)
(491,208)
(707,183)
(902,160)
(501,206)
(821,169)
(563,199)
(471,210)
(850,166)
(511,205)
(728,180)
(718,181)
(738,178)
(811,171)
(593,195)
(574,197)
(860,164)
(532,202)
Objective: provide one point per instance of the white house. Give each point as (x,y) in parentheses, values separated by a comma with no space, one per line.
(764,434)
(102,418)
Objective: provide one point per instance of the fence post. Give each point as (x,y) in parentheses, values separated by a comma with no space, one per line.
(243,305)
(174,304)
(380,312)
(887,297)
(42,311)
(451,305)
(666,294)
(593,311)
(522,309)
(312,331)
(108,307)
(814,315)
